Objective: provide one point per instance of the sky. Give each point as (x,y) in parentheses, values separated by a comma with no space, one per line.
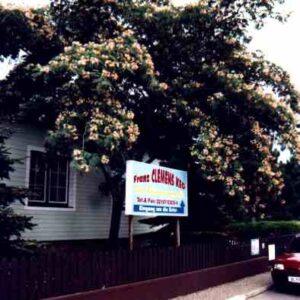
(279,42)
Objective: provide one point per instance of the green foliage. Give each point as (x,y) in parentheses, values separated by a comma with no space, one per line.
(121,79)
(12,225)
(291,191)
(29,31)
(263,228)
(5,161)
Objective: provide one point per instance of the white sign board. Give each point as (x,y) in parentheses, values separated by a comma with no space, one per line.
(255,247)
(153,190)
(271,252)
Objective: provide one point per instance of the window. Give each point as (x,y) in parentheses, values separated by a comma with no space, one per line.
(48,181)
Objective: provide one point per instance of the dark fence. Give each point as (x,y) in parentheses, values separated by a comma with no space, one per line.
(57,273)
(50,274)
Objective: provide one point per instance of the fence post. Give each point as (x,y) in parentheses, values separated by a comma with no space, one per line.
(130,232)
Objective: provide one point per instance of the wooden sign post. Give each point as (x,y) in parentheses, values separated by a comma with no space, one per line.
(130,231)
(177,232)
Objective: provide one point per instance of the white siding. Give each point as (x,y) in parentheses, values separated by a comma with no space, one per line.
(90,219)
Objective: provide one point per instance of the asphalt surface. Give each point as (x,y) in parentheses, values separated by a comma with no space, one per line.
(275,295)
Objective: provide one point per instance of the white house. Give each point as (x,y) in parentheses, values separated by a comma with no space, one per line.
(70,205)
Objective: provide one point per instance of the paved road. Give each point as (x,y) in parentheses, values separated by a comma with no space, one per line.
(274,295)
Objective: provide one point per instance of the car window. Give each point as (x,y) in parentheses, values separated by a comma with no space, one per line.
(295,245)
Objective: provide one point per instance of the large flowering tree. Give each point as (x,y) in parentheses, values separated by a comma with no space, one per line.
(114,80)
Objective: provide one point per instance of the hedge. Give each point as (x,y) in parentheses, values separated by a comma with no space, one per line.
(263,228)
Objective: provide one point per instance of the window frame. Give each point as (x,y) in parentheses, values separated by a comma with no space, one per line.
(69,205)
(28,185)
(66,202)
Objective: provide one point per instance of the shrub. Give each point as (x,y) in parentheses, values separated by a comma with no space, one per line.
(263,228)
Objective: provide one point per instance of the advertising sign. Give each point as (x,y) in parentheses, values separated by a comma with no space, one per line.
(271,252)
(255,247)
(153,190)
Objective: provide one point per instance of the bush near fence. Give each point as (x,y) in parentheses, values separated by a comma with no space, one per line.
(55,273)
(264,228)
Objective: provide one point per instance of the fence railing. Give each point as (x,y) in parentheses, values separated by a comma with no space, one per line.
(55,273)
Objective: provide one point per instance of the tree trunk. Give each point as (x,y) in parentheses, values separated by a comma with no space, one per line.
(117,195)
(117,205)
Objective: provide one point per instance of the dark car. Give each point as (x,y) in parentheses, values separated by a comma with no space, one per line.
(286,268)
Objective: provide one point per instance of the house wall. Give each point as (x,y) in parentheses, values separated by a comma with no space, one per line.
(90,217)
